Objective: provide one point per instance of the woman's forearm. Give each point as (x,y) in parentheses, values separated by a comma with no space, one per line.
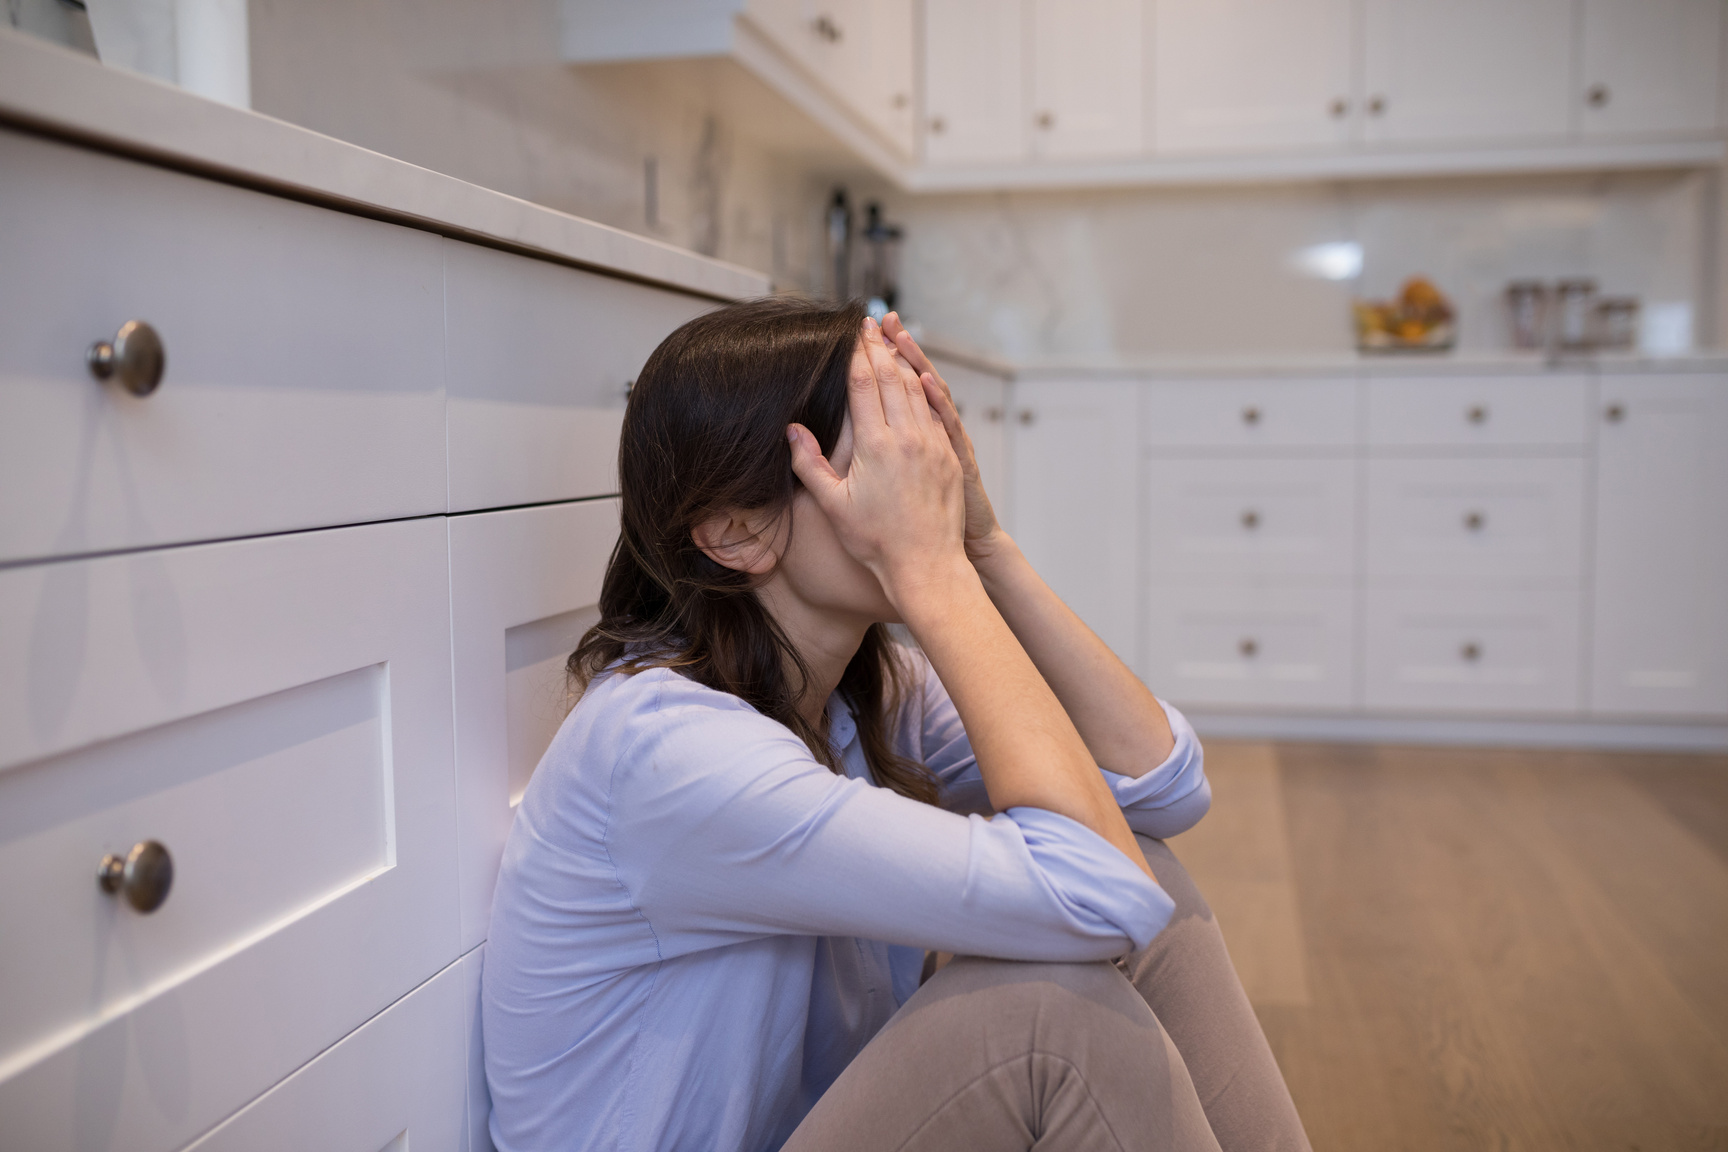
(1123,726)
(1028,750)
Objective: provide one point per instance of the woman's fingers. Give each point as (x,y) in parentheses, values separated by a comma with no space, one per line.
(908,347)
(899,405)
(864,393)
(811,467)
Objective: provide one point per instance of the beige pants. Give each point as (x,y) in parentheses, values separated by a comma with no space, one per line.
(999,1054)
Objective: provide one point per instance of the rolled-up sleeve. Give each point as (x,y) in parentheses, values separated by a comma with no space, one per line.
(723,827)
(1170,798)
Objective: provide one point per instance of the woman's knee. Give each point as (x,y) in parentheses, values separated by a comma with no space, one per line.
(1174,879)
(1032,1006)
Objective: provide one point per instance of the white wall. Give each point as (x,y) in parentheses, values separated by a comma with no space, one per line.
(1096,276)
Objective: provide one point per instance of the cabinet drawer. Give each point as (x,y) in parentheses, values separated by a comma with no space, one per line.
(277,713)
(1472,651)
(1478,412)
(1250,646)
(1513,519)
(303,385)
(1233,413)
(1251,517)
(524,587)
(540,356)
(395,1084)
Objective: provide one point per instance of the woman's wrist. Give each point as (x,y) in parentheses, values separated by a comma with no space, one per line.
(997,558)
(931,591)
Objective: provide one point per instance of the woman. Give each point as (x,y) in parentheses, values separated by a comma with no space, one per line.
(722,882)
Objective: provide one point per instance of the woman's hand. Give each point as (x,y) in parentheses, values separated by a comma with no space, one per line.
(984,535)
(900,508)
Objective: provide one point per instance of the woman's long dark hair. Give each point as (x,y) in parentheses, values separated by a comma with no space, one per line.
(705,432)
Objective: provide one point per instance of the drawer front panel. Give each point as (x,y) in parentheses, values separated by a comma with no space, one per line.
(1515,519)
(304,359)
(540,355)
(1462,412)
(1234,413)
(525,584)
(1251,517)
(1278,647)
(276,713)
(1472,651)
(394,1085)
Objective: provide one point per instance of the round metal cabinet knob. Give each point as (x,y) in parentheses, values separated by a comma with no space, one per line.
(1597,96)
(1026,416)
(1248,646)
(1376,105)
(143,876)
(1251,415)
(1614,413)
(1477,414)
(993,414)
(134,359)
(1338,108)
(1475,521)
(1046,120)
(1250,518)
(1471,651)
(938,125)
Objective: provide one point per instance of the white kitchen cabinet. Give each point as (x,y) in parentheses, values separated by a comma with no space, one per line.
(1472,651)
(1268,413)
(975,98)
(1650,66)
(1076,499)
(1453,71)
(885,92)
(1474,413)
(1251,75)
(524,588)
(1088,65)
(304,359)
(1661,556)
(354,1098)
(1250,645)
(276,712)
(1519,521)
(1250,518)
(540,359)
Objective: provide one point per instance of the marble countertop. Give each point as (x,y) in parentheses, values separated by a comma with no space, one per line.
(49,89)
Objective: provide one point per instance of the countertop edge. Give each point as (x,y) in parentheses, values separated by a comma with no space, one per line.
(55,91)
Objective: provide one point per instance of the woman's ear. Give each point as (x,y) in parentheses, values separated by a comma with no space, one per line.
(743,541)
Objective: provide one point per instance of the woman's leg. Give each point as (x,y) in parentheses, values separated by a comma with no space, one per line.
(993,1054)
(1187,978)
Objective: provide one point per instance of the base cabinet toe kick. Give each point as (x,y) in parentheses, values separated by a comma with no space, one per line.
(1398,546)
(300,514)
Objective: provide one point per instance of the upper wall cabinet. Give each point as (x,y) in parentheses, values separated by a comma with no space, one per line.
(1650,66)
(974,82)
(1043,79)
(1251,75)
(1087,65)
(1466,70)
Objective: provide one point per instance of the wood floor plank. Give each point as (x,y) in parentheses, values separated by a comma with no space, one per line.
(1504,949)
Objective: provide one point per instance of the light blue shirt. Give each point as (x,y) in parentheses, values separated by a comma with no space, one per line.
(698,925)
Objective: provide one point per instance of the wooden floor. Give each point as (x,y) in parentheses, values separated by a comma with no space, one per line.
(1480,949)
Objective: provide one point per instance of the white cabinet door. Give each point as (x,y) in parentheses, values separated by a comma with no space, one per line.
(1076,497)
(1478,412)
(1477,650)
(1270,413)
(394,1085)
(523,584)
(1250,518)
(1511,520)
(540,356)
(305,359)
(1251,75)
(974,81)
(884,94)
(1467,70)
(1661,609)
(276,712)
(1650,66)
(1251,646)
(1088,91)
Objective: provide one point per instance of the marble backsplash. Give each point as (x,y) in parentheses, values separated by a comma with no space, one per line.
(1097,276)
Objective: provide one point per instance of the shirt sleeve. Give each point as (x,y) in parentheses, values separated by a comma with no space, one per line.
(724,828)
(1171,798)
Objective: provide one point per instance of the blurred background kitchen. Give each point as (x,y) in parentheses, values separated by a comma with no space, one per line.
(1355,367)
